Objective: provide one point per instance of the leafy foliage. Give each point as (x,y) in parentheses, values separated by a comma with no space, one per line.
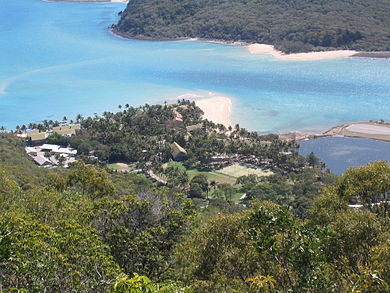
(85,230)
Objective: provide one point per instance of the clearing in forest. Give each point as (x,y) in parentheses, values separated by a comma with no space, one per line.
(238,170)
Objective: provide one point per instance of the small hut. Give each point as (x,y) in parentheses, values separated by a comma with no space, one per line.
(178,153)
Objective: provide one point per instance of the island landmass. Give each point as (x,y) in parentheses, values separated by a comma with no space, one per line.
(291,26)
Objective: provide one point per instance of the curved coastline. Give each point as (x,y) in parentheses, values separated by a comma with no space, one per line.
(264,49)
(255,48)
(216,108)
(358,129)
(267,49)
(211,102)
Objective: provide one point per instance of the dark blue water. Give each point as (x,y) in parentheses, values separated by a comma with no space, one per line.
(341,153)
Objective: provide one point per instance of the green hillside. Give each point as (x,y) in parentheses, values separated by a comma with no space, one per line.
(93,229)
(290,25)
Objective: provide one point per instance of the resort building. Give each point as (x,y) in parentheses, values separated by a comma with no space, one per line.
(178,153)
(67,130)
(35,136)
(194,127)
(40,160)
(51,155)
(175,121)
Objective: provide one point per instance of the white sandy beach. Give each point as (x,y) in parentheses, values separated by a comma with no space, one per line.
(270,50)
(216,109)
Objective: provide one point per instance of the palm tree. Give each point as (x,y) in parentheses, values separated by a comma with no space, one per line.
(79,117)
(2,128)
(213,184)
(45,123)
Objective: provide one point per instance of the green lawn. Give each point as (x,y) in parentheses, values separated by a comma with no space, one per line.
(119,167)
(228,174)
(176,164)
(211,175)
(217,176)
(238,170)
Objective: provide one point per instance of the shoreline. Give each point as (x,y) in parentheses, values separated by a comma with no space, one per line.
(358,129)
(216,108)
(266,49)
(262,49)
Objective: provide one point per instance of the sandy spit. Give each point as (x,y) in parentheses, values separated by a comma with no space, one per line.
(216,109)
(270,50)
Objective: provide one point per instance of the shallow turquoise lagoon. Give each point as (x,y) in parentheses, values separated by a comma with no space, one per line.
(59,59)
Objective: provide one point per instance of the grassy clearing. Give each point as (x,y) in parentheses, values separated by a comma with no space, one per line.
(212,175)
(237,170)
(217,176)
(119,167)
(177,165)
(226,175)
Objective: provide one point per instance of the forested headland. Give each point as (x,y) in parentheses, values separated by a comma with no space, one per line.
(290,25)
(92,228)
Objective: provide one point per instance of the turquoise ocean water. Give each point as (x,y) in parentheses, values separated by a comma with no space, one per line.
(59,59)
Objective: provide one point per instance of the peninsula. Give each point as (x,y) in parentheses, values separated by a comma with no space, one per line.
(216,109)
(309,56)
(291,26)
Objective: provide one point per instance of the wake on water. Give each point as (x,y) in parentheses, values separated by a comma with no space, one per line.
(4,84)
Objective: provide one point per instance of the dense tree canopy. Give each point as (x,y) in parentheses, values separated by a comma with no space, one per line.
(291,25)
(84,229)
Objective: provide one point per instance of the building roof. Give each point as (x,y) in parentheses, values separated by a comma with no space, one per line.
(30,150)
(177,150)
(51,147)
(66,129)
(71,126)
(35,136)
(194,127)
(41,160)
(58,149)
(68,151)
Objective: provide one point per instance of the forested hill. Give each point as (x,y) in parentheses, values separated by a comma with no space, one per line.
(290,25)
